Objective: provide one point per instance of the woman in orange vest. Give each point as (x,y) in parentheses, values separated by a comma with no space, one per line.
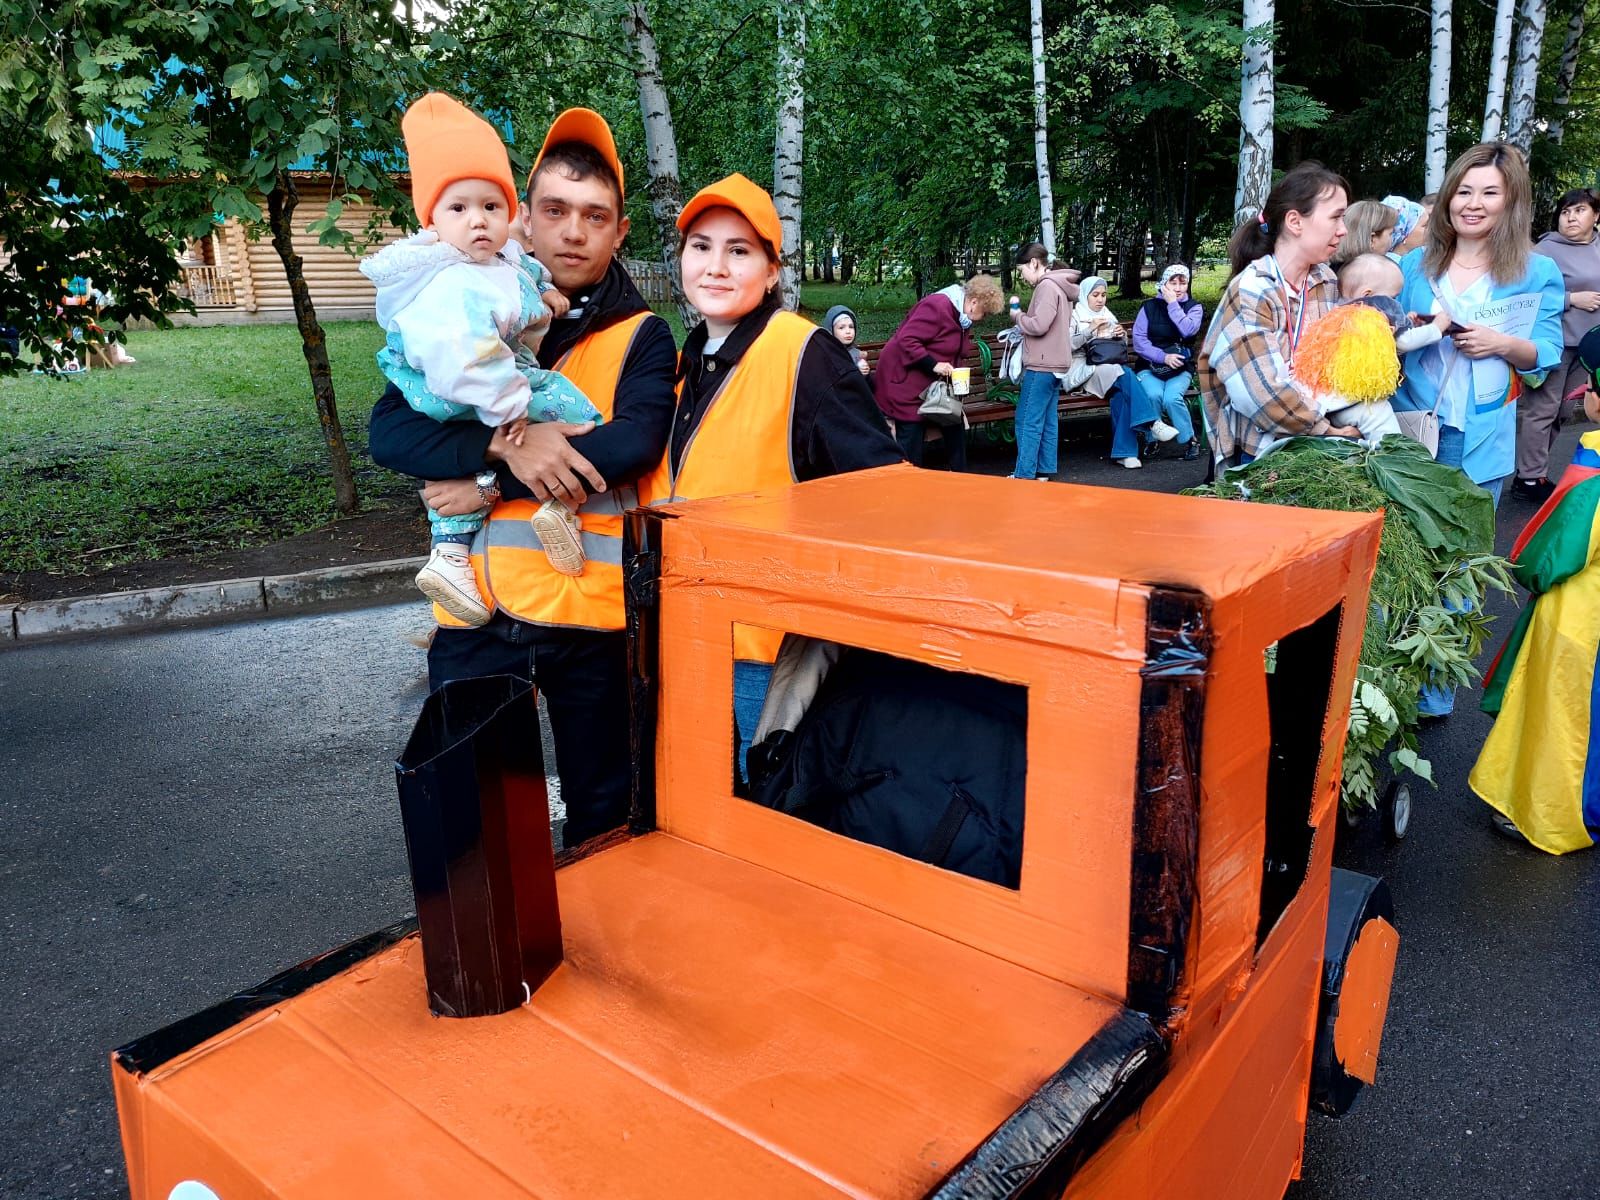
(765,398)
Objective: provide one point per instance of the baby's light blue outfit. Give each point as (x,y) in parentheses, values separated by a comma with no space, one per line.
(461,340)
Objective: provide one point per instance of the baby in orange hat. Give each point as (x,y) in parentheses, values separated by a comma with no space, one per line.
(465,309)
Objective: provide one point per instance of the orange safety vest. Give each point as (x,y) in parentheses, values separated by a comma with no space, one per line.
(514,574)
(742,443)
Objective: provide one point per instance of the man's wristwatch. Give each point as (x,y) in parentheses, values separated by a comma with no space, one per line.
(488,487)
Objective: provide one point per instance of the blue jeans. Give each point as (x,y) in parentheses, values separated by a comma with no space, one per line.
(1038,425)
(1441,701)
(1132,410)
(1452,447)
(750,682)
(1167,396)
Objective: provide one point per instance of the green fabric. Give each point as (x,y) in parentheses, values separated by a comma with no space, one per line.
(1559,548)
(1494,688)
(1557,551)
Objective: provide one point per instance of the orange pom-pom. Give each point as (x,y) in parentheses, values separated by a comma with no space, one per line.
(1349,352)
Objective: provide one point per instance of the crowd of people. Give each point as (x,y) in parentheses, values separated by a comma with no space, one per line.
(532,385)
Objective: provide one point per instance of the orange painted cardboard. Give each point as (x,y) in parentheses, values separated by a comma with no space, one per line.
(750,1005)
(1364,999)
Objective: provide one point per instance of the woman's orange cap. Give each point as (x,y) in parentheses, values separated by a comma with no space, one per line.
(446,141)
(750,200)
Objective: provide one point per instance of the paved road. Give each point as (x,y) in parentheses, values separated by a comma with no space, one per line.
(186,813)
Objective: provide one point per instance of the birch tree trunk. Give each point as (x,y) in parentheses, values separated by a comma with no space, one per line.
(1525,78)
(1494,106)
(1256,102)
(1567,72)
(1041,140)
(788,146)
(661,148)
(1438,97)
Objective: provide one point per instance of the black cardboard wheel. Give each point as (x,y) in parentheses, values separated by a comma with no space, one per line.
(1353,900)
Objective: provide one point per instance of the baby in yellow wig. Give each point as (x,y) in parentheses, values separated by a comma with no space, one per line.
(1349,361)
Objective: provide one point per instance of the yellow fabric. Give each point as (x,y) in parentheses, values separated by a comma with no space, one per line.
(447,141)
(742,444)
(518,579)
(1531,766)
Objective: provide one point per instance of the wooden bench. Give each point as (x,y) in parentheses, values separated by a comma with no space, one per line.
(993,399)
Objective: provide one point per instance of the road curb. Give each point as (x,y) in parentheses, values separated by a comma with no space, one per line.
(217,600)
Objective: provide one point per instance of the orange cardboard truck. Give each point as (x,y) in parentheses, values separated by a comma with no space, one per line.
(731,998)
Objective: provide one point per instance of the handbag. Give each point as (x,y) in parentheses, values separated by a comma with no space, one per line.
(940,405)
(1164,372)
(1421,427)
(1104,351)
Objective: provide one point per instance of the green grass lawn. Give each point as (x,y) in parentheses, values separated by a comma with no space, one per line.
(211,440)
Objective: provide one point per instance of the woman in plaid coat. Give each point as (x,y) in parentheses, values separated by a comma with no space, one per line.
(1280,286)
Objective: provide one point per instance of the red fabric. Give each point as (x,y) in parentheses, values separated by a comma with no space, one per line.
(932,329)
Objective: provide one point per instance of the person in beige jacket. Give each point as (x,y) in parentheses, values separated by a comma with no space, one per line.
(1046,354)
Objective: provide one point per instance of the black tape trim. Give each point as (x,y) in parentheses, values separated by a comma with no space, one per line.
(641,591)
(155,1049)
(1166,807)
(1039,1147)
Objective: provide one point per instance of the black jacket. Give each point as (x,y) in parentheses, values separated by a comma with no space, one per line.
(622,449)
(837,426)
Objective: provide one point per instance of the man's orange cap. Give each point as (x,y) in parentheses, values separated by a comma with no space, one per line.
(750,200)
(588,127)
(446,141)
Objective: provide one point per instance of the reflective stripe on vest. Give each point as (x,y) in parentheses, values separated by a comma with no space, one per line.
(744,442)
(514,573)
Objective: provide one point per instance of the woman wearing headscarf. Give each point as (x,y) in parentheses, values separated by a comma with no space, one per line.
(1132,411)
(1410,226)
(1163,341)
(930,343)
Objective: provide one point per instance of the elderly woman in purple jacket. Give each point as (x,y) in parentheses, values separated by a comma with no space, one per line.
(930,343)
(1163,339)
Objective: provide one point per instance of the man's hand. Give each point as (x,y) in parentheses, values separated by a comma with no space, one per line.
(452,497)
(547,463)
(556,302)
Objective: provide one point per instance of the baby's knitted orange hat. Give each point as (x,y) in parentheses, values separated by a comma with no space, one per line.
(446,141)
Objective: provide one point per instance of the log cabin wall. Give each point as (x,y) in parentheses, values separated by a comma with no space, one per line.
(338,288)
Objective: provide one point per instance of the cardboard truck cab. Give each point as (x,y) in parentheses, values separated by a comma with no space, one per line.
(750,1005)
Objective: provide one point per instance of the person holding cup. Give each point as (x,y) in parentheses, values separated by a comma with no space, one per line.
(929,343)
